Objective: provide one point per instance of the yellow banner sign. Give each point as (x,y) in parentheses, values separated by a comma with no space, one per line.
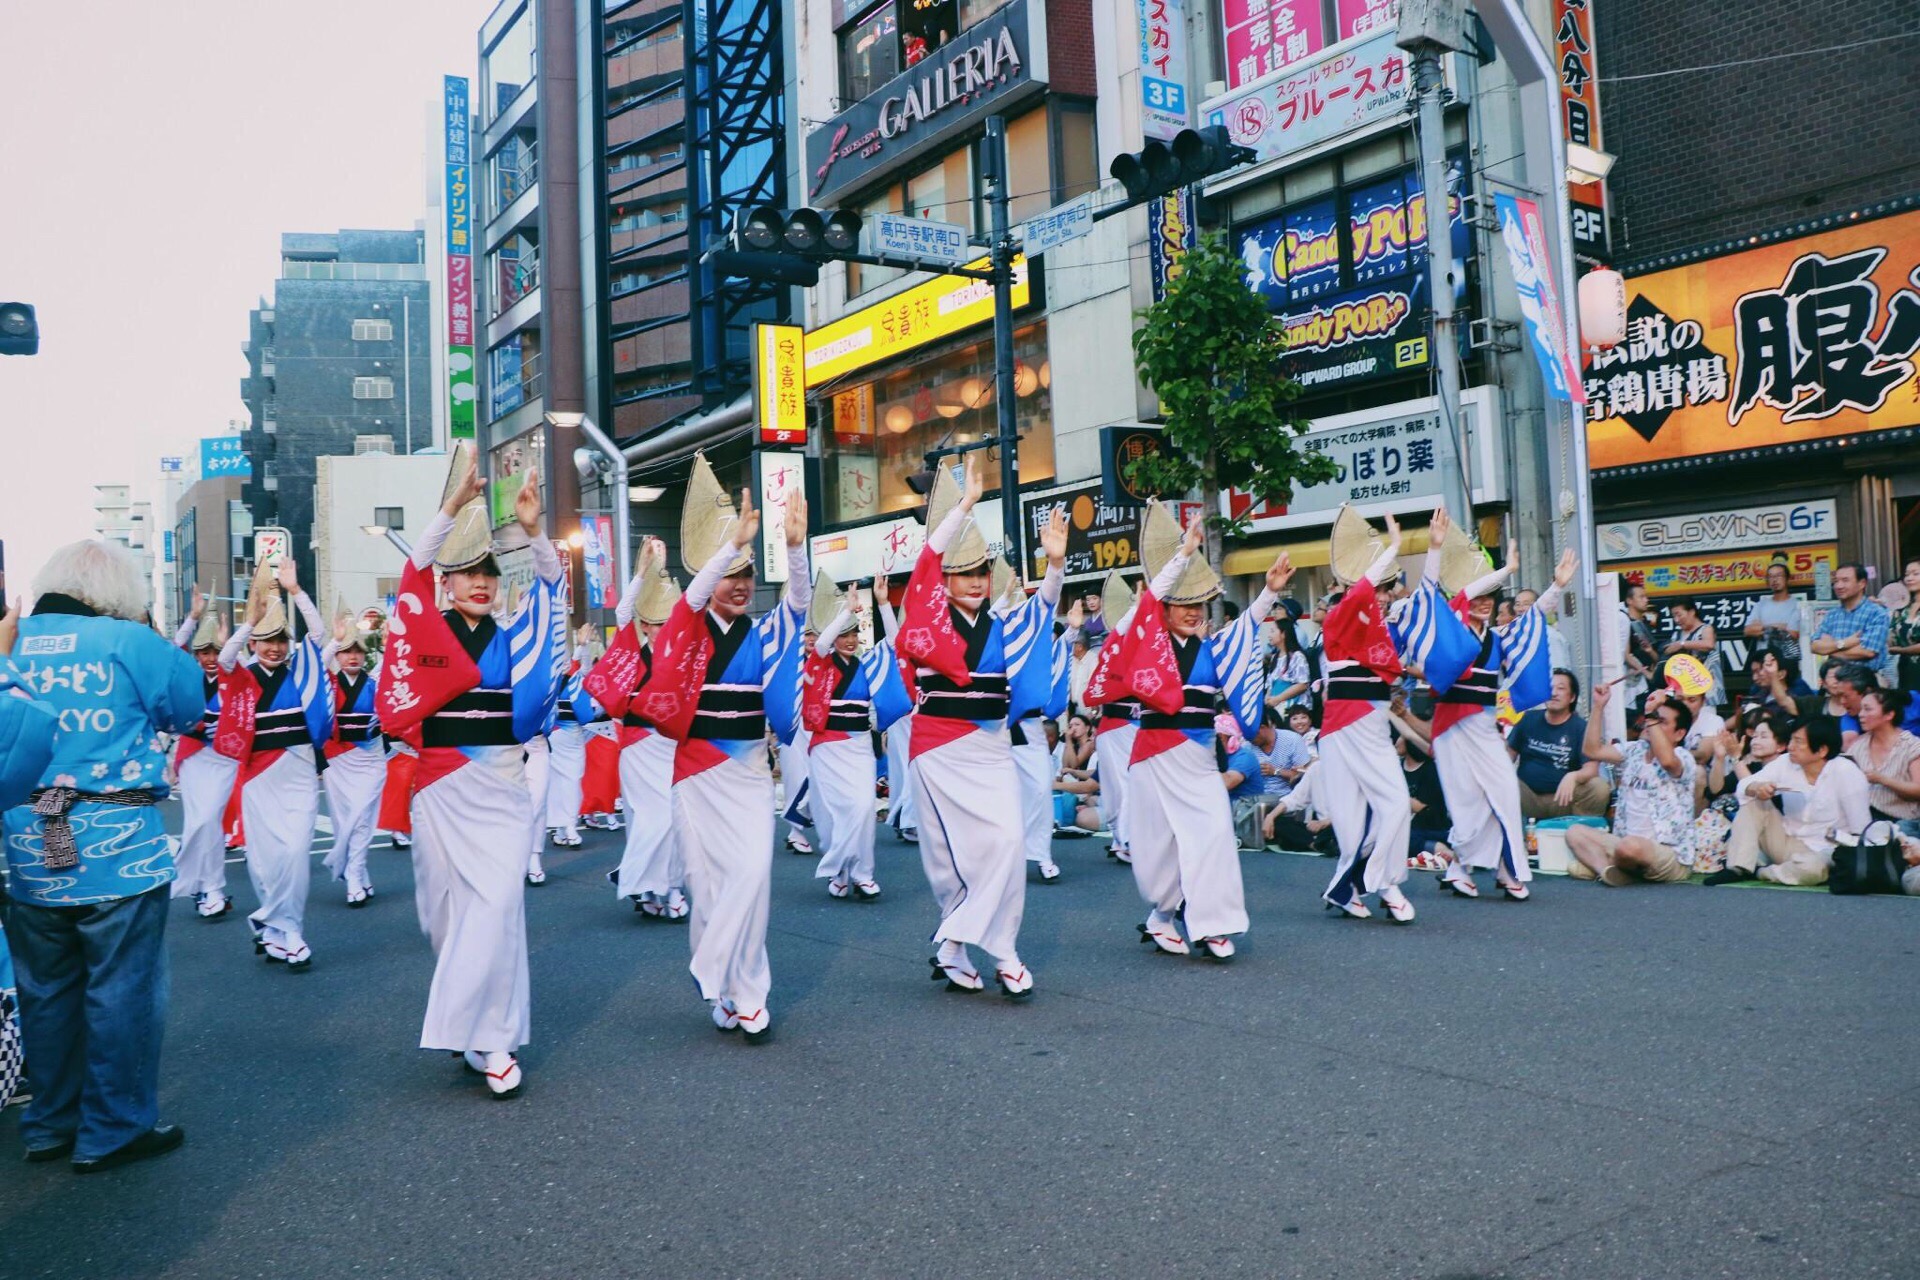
(1808,339)
(779,397)
(938,309)
(1732,571)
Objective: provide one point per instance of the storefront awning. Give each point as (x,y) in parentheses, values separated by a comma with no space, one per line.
(1311,553)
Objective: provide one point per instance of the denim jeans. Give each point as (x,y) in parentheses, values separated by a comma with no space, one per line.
(93,1007)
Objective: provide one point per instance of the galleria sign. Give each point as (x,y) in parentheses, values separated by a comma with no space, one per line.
(992,66)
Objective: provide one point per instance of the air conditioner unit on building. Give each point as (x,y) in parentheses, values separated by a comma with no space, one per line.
(372,444)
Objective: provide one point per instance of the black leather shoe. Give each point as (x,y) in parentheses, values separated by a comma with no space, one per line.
(156,1141)
(42,1155)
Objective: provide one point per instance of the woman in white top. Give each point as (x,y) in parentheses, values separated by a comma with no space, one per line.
(1820,794)
(1696,636)
(1889,756)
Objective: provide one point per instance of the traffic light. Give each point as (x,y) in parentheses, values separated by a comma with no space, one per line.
(782,246)
(19,331)
(1160,168)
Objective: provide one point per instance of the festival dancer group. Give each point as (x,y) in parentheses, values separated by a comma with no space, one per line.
(691,688)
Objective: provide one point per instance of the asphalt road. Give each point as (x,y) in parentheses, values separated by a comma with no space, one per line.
(1649,1082)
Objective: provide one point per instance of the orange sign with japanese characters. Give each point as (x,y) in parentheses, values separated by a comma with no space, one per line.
(1734,571)
(1810,339)
(940,308)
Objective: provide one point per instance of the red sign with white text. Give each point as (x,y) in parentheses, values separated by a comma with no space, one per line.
(1266,35)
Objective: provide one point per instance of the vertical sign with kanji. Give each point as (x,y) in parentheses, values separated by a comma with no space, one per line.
(1262,36)
(459,206)
(1163,67)
(779,383)
(1580,116)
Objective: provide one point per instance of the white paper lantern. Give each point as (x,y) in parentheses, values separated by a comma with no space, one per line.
(1603,308)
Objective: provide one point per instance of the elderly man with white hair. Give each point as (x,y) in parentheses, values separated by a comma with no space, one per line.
(91,862)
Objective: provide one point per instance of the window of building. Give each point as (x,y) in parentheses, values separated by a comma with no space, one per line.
(971,11)
(876,433)
(1076,169)
(511,172)
(507,67)
(1029,165)
(373,388)
(869,52)
(514,271)
(862,279)
(390,517)
(373,331)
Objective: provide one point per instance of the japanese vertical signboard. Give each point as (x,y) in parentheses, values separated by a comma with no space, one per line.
(459,207)
(782,477)
(1170,233)
(1524,234)
(1363,17)
(1163,67)
(779,383)
(1263,36)
(1345,89)
(1803,340)
(1580,115)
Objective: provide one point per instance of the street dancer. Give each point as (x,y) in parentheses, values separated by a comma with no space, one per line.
(1469,749)
(971,839)
(1361,786)
(652,874)
(279,799)
(476,688)
(846,695)
(1119,719)
(356,762)
(719,681)
(207,763)
(567,754)
(900,807)
(1186,856)
(1034,674)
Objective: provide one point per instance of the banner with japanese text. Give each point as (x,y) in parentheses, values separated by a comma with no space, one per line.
(1808,339)
(1163,68)
(1579,72)
(458,196)
(1524,233)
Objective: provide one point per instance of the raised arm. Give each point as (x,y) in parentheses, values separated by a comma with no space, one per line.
(889,623)
(1595,746)
(289,582)
(1053,540)
(1170,571)
(799,572)
(1438,526)
(1387,567)
(843,622)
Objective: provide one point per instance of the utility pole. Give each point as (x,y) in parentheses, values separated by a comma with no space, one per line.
(1421,35)
(1001,265)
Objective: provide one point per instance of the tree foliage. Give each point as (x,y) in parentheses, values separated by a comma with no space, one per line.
(1211,352)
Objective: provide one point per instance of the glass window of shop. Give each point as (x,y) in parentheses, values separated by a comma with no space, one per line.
(510,171)
(507,67)
(869,51)
(513,271)
(875,433)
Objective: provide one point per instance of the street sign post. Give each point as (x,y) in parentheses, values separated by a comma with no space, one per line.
(1057,225)
(890,235)
(270,541)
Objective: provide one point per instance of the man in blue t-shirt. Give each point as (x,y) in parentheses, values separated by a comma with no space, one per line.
(1556,778)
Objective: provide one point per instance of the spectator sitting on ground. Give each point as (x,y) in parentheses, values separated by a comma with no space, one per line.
(1889,757)
(1301,721)
(1427,847)
(1556,780)
(1742,751)
(1076,784)
(1707,724)
(1848,684)
(1299,803)
(1791,810)
(1653,803)
(1775,688)
(1856,629)
(1284,758)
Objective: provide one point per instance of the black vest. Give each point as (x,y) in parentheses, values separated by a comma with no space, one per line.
(728,713)
(985,698)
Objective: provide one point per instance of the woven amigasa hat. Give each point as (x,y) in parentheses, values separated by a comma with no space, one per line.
(1353,546)
(1116,597)
(826,603)
(968,550)
(706,521)
(658,595)
(470,543)
(1160,538)
(356,638)
(1461,562)
(207,634)
(1003,584)
(273,622)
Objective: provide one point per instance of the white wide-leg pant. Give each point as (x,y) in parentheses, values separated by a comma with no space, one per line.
(900,806)
(538,773)
(651,862)
(279,806)
(1114,749)
(1185,851)
(1362,790)
(840,778)
(1034,763)
(1483,796)
(972,845)
(206,784)
(566,769)
(354,780)
(469,876)
(723,820)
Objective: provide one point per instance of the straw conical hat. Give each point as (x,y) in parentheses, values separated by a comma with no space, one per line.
(1461,561)
(1353,547)
(826,603)
(471,541)
(273,623)
(706,521)
(1116,597)
(968,550)
(207,634)
(356,638)
(1160,539)
(658,595)
(1002,581)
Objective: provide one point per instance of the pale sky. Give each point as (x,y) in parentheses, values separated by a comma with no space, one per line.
(150,157)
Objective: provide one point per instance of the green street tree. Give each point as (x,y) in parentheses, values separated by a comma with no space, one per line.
(1211,352)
